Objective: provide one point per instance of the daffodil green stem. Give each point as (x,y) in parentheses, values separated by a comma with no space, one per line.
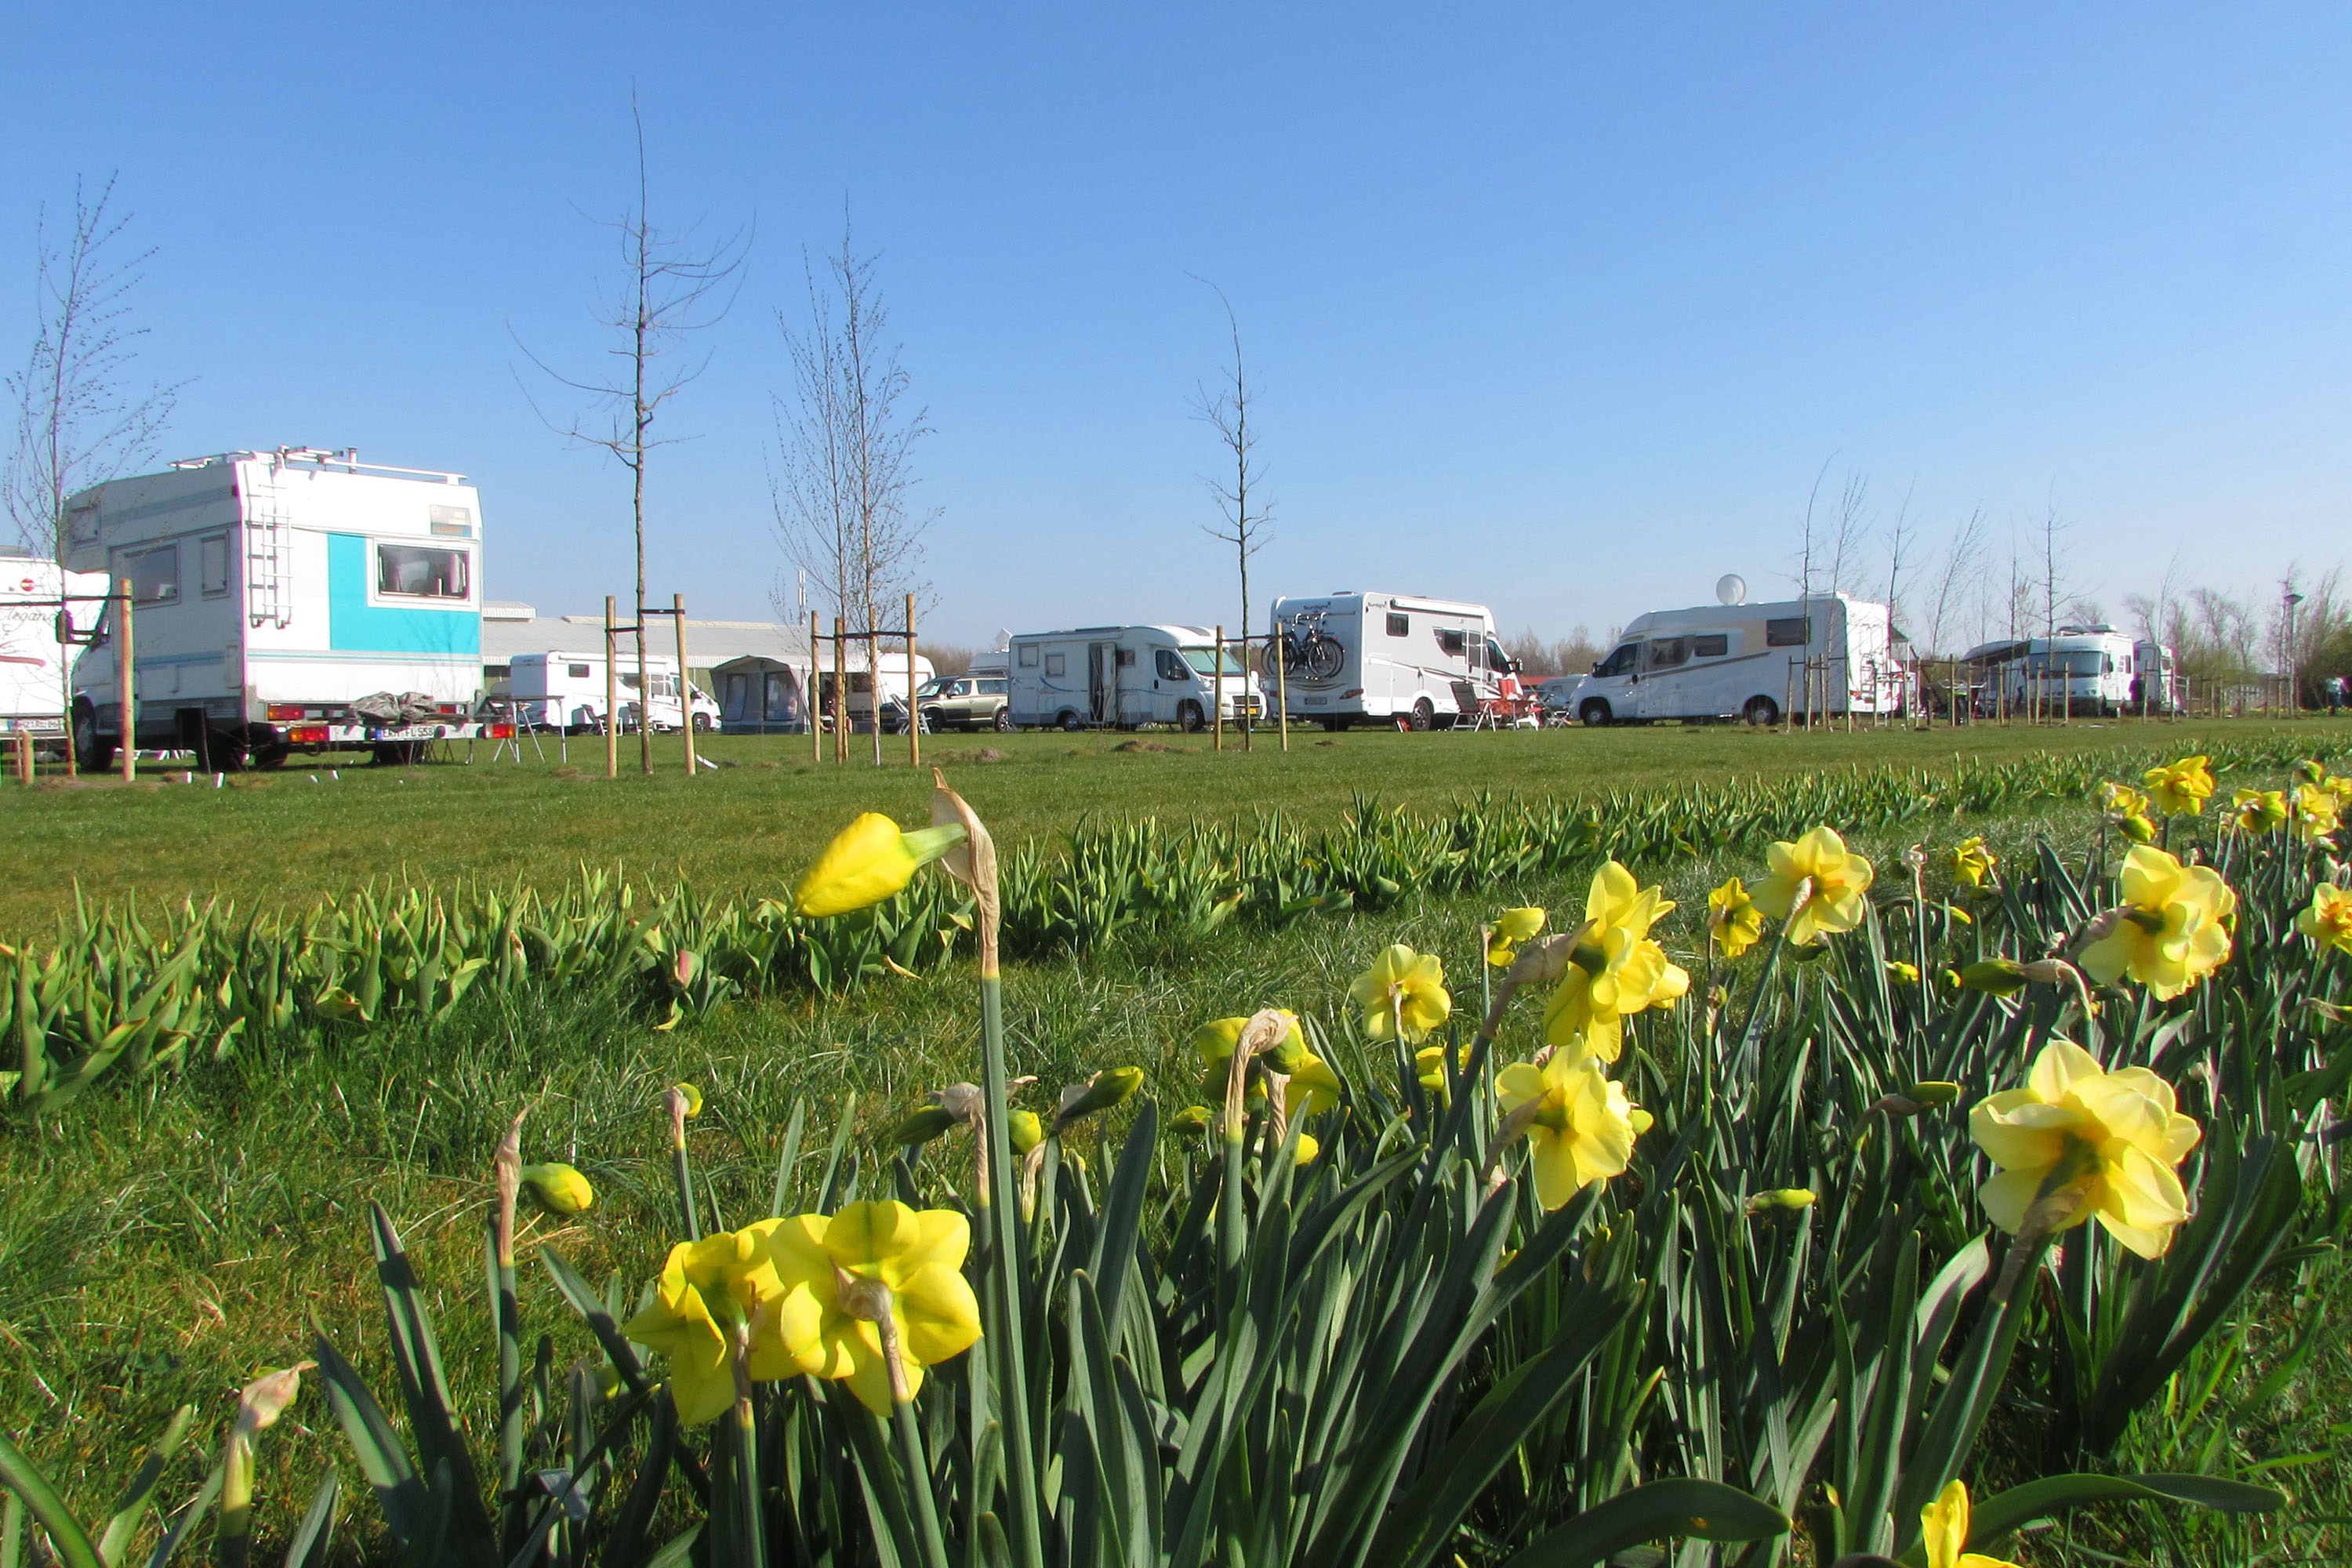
(233,1544)
(513,1510)
(683,1173)
(919,1483)
(1003,1340)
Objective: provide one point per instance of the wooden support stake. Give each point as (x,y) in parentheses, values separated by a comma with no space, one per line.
(840,700)
(1217,687)
(612,697)
(130,691)
(914,712)
(1281,687)
(684,681)
(815,689)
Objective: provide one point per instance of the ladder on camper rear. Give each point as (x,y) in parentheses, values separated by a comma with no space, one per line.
(269,558)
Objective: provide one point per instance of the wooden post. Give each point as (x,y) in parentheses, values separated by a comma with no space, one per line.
(1281,687)
(1249,691)
(684,681)
(815,689)
(129,690)
(1217,688)
(64,669)
(840,700)
(612,699)
(914,712)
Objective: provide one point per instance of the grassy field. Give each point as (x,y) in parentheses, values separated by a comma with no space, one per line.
(280,838)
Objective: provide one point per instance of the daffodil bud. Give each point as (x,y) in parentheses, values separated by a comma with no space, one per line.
(1932,1093)
(1108,1088)
(690,1095)
(1024,1130)
(1307,1149)
(1543,960)
(559,1188)
(1287,1055)
(1908,974)
(868,861)
(919,1127)
(962,1101)
(1191,1119)
(1996,976)
(2310,772)
(2047,970)
(1783,1200)
(2138,829)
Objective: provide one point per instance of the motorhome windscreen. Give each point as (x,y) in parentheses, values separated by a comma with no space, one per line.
(2084,663)
(1621,662)
(1204,661)
(421,572)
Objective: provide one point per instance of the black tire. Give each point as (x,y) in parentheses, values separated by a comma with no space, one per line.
(1002,723)
(1070,721)
(1423,717)
(271,757)
(1761,712)
(702,723)
(1333,725)
(399,754)
(93,752)
(1594,714)
(1189,718)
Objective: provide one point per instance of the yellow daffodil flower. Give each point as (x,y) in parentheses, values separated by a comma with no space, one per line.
(1616,970)
(1907,973)
(2314,812)
(2122,800)
(705,1286)
(867,861)
(1945,1523)
(1816,884)
(1215,1040)
(2258,810)
(1307,1150)
(2328,921)
(559,1189)
(1313,1089)
(1584,1125)
(1972,862)
(2181,788)
(917,1256)
(1403,993)
(2174,930)
(1512,927)
(2122,1124)
(1024,1130)
(1733,921)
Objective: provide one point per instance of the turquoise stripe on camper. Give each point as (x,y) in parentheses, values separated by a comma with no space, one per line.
(355,625)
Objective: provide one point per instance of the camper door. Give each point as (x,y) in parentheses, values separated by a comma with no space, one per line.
(1615,680)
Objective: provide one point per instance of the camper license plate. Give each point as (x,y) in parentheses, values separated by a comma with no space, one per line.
(408,732)
(1316,701)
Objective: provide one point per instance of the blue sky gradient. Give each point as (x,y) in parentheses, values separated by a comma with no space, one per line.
(1558,308)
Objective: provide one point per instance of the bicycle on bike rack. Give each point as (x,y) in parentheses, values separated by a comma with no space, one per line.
(1308,650)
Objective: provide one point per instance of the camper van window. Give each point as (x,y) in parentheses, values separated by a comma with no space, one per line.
(1167,666)
(576,671)
(1204,661)
(1029,658)
(997,687)
(420,572)
(83,520)
(154,575)
(215,565)
(1495,657)
(629,681)
(1667,652)
(1400,625)
(1453,641)
(1713,646)
(1055,664)
(1621,662)
(1794,631)
(1126,658)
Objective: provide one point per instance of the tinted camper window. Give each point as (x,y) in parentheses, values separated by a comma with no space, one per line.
(1400,625)
(1054,664)
(154,575)
(1667,652)
(420,572)
(1029,658)
(215,566)
(1167,666)
(1713,646)
(1795,631)
(1451,641)
(576,671)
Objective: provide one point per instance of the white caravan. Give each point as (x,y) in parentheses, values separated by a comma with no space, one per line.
(1831,654)
(274,590)
(2091,670)
(33,662)
(1125,676)
(1389,659)
(565,691)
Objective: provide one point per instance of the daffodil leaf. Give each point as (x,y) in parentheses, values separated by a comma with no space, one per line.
(399,1494)
(24,1479)
(1688,1507)
(315,1538)
(1993,1520)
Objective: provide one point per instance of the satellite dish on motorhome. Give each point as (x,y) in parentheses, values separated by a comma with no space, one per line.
(1731,588)
(1004,639)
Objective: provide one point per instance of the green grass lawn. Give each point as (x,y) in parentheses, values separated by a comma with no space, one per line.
(278,837)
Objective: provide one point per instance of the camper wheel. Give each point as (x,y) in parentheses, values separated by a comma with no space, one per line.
(702,723)
(1761,712)
(1004,721)
(1070,720)
(1423,716)
(93,752)
(399,754)
(1593,715)
(1188,718)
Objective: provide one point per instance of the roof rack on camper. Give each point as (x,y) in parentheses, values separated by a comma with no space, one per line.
(346,461)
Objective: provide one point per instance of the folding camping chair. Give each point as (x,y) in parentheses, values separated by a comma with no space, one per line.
(1473,711)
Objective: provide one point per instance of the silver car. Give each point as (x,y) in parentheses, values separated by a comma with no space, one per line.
(967,702)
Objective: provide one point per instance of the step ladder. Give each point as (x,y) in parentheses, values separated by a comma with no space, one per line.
(269,558)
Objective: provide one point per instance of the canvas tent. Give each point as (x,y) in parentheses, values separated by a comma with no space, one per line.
(760,696)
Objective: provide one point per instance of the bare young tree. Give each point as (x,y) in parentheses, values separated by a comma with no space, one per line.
(1850,528)
(80,419)
(2053,556)
(672,286)
(1246,519)
(1962,559)
(844,469)
(1896,539)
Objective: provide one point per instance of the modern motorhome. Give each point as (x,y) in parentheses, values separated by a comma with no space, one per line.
(2091,670)
(1829,654)
(1126,676)
(273,592)
(1389,659)
(33,661)
(559,691)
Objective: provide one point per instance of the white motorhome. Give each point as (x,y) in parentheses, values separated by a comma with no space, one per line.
(273,592)
(1391,658)
(559,691)
(2091,670)
(1126,676)
(1831,654)
(33,662)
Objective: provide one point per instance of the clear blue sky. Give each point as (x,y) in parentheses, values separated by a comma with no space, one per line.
(1557,307)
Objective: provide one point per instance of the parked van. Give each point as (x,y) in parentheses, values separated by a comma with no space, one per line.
(33,662)
(566,691)
(274,590)
(1391,658)
(2087,670)
(1831,654)
(1126,676)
